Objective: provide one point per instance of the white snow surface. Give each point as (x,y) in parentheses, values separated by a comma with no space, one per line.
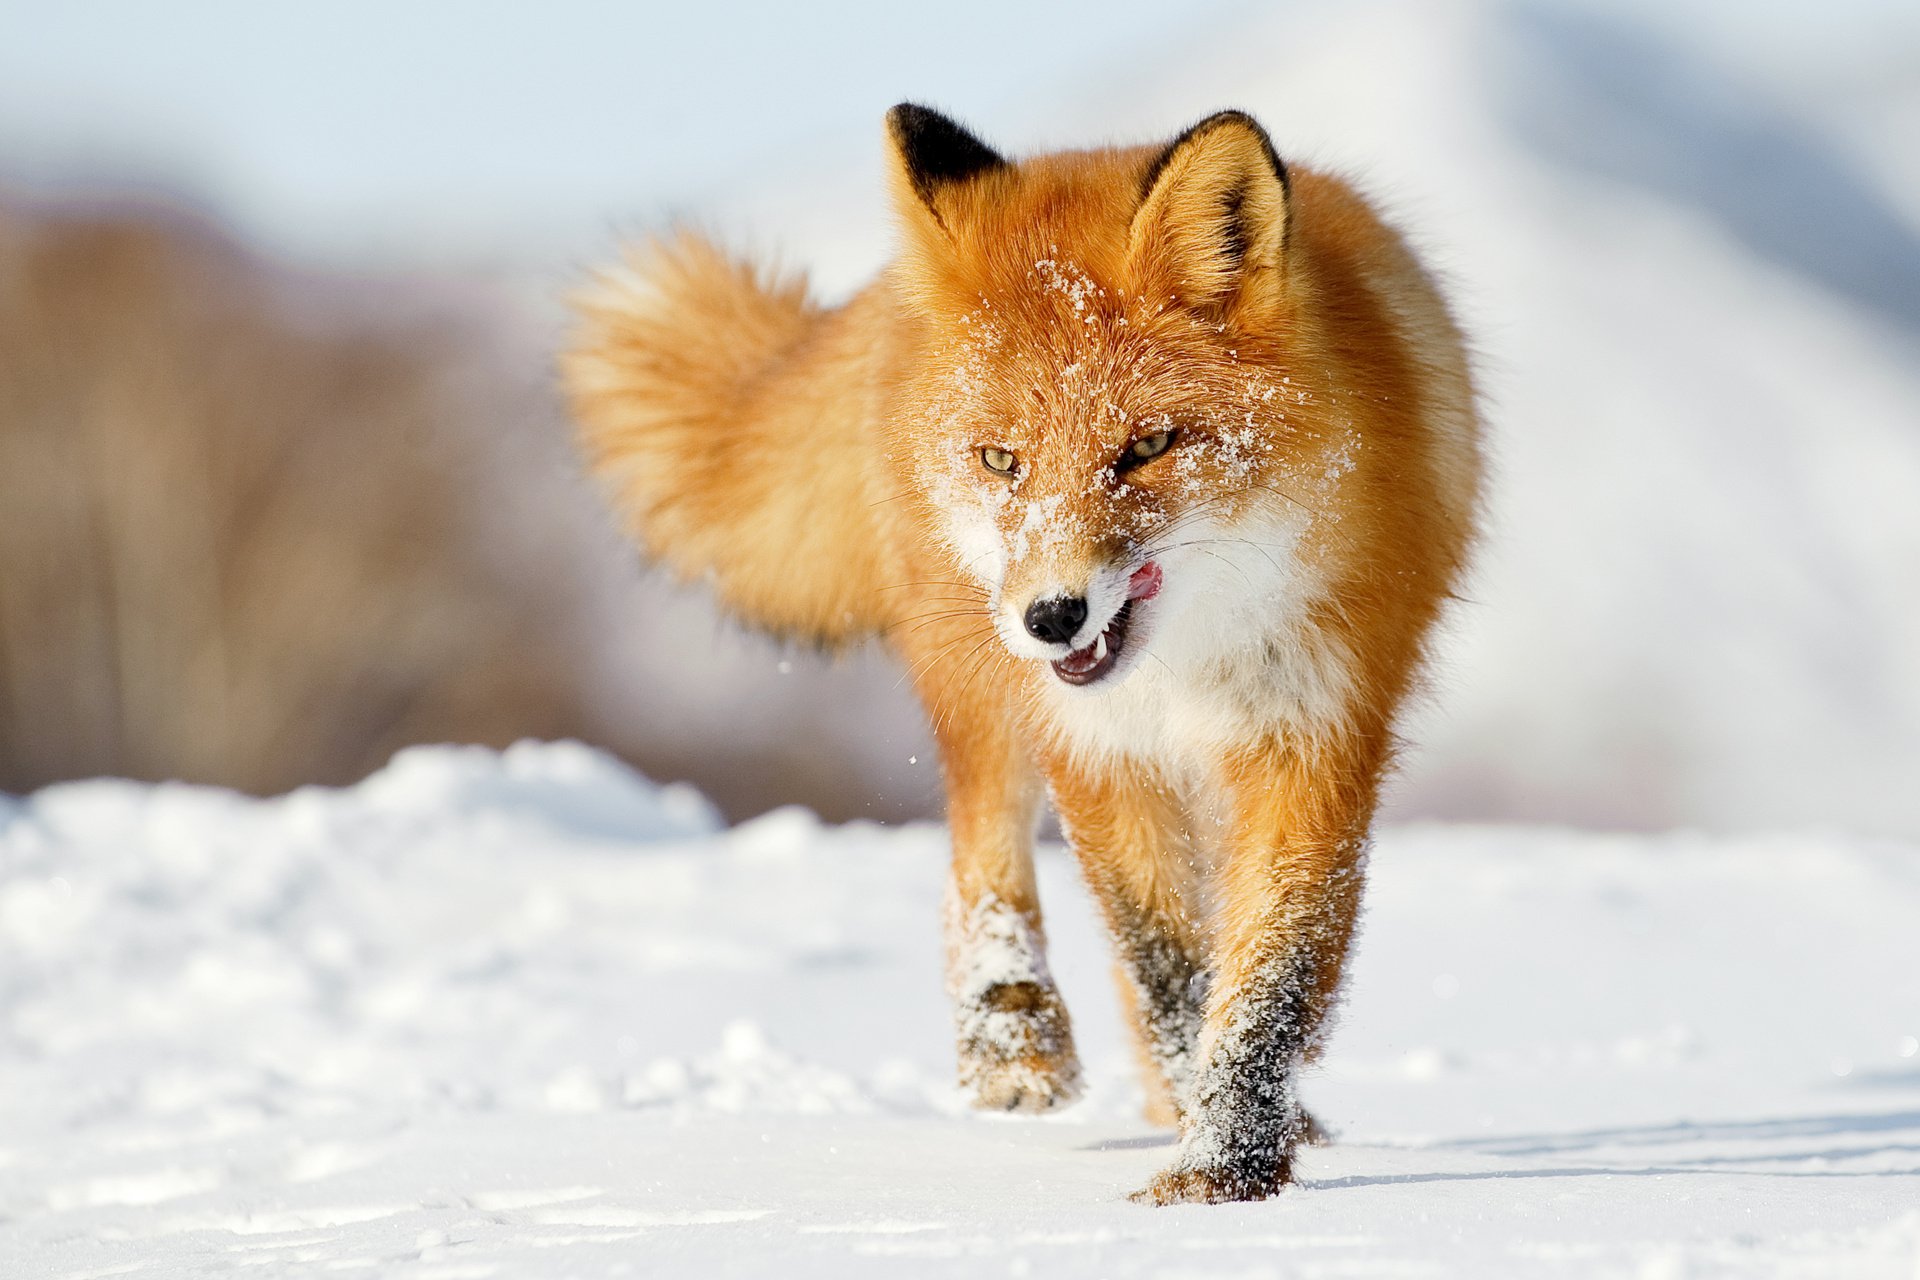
(529,1015)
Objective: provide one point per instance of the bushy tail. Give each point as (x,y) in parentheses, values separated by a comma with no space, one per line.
(722,410)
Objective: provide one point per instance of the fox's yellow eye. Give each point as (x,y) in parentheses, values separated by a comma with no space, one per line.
(998,460)
(1143,450)
(1151,446)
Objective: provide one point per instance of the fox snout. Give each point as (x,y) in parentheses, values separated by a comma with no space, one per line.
(1092,628)
(1055,619)
(1046,613)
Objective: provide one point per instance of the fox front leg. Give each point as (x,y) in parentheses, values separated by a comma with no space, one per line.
(1013,1036)
(1014,1039)
(1129,834)
(1290,893)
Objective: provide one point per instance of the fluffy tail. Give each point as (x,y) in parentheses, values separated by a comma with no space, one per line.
(723,411)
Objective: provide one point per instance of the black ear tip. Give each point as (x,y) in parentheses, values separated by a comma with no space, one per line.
(905,117)
(1230,118)
(936,148)
(909,114)
(1235,118)
(1234,115)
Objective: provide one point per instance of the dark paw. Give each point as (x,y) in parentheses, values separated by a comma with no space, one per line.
(1016,1049)
(1221,1165)
(1214,1183)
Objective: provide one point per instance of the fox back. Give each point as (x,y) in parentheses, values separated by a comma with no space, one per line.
(1258,325)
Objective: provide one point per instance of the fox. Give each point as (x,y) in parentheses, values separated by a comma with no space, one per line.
(1156,466)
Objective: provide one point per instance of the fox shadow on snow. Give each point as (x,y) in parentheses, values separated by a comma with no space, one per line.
(1886,1133)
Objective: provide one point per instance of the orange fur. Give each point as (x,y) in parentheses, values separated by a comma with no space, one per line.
(1212,404)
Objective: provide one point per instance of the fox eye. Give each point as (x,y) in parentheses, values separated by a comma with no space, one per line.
(998,460)
(1151,446)
(1144,450)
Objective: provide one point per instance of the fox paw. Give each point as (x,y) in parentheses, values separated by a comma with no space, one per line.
(1214,1183)
(1016,1049)
(1212,1168)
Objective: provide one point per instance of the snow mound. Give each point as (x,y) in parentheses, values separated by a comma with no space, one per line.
(446,1023)
(746,1074)
(559,787)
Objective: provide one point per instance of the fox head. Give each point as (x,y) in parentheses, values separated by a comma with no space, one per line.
(1108,416)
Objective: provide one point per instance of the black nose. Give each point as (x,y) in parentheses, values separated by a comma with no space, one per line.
(1056,618)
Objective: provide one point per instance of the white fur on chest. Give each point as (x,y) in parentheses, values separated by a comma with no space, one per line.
(1231,654)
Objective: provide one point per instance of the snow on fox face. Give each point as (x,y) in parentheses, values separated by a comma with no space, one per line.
(1109,467)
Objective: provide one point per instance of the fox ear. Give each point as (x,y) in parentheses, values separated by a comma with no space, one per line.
(931,155)
(1212,221)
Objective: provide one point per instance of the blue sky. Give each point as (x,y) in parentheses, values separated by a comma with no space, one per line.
(492,116)
(364,126)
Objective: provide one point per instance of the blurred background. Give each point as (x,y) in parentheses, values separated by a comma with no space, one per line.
(284,484)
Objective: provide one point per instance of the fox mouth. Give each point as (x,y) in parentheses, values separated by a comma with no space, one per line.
(1084,666)
(1097,660)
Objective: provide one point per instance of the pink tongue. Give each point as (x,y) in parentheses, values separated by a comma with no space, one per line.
(1145,582)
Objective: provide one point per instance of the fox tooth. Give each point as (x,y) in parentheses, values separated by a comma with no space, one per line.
(1100,648)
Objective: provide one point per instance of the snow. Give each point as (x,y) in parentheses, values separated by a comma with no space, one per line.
(528,1015)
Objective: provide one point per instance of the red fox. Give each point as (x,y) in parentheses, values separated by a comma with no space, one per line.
(1155,465)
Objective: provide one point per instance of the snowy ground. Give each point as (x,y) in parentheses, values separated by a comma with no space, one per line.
(526,1015)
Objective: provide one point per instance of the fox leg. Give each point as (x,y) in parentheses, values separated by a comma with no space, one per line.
(1014,1038)
(1289,894)
(1129,835)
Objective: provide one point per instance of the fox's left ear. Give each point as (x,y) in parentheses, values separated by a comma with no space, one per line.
(1212,220)
(933,158)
